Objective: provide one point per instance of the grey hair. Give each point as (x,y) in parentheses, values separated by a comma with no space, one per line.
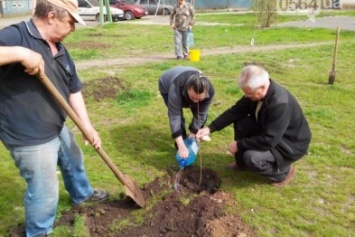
(253,76)
(43,7)
(198,82)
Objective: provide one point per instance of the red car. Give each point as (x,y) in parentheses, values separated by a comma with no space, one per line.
(130,12)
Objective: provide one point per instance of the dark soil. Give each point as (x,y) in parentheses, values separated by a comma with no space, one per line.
(102,88)
(195,207)
(92,45)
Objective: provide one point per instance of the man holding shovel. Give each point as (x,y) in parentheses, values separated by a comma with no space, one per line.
(270,130)
(32,122)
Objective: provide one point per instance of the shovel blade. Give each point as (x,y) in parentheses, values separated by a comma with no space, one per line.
(133,191)
(331,78)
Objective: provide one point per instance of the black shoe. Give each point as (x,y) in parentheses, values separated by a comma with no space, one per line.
(288,178)
(98,196)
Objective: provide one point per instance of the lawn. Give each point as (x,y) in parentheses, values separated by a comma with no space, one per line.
(320,201)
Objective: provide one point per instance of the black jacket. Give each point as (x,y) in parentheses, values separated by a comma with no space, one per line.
(173,83)
(282,127)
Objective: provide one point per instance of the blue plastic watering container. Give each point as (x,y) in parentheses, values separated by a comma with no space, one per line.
(190,38)
(193,147)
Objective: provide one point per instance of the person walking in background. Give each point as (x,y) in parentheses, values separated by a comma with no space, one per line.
(185,87)
(270,130)
(182,18)
(31,121)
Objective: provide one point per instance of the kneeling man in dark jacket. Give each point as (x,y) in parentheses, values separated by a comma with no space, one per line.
(270,129)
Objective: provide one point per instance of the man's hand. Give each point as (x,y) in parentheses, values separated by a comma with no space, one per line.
(233,148)
(202,132)
(32,61)
(182,149)
(183,152)
(96,140)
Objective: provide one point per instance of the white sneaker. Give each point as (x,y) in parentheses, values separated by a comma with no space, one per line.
(205,138)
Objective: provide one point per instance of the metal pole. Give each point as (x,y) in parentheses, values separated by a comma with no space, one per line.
(108,11)
(101,12)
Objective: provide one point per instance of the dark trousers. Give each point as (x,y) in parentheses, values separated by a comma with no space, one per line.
(260,161)
(183,128)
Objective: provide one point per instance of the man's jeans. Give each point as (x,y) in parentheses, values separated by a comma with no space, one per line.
(38,166)
(181,44)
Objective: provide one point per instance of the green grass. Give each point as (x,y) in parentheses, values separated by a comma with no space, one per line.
(121,40)
(134,99)
(134,128)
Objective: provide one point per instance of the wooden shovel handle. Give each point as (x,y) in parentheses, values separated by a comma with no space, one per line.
(336,48)
(51,88)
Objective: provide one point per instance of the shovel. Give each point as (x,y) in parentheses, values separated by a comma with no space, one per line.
(331,77)
(130,186)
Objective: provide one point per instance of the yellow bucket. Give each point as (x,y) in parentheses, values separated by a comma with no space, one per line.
(194,55)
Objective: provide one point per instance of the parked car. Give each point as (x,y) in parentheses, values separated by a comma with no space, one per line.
(152,5)
(90,10)
(130,12)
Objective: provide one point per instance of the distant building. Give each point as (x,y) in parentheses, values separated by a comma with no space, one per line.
(223,4)
(18,7)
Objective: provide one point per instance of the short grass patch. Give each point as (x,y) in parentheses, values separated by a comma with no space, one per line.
(122,40)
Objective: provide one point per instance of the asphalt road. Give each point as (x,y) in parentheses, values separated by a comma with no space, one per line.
(344,23)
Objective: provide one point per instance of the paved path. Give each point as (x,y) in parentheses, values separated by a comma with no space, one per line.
(131,61)
(344,23)
(8,21)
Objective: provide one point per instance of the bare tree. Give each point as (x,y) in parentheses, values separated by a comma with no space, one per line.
(266,13)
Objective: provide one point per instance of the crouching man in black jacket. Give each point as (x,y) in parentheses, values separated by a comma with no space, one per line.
(270,130)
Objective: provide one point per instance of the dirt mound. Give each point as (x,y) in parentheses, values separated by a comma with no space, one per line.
(190,211)
(102,88)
